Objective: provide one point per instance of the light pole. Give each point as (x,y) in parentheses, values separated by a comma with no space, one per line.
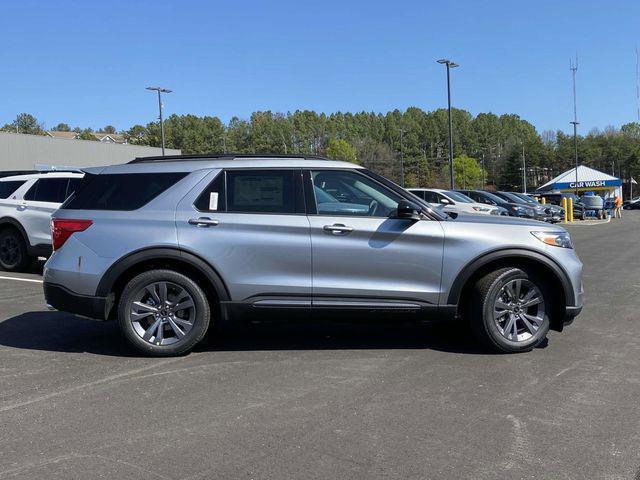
(574,68)
(160,92)
(449,64)
(401,159)
(524,171)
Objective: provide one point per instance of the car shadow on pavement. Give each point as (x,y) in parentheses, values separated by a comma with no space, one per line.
(62,332)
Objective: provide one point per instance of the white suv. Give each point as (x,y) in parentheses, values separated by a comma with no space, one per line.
(26,205)
(453,202)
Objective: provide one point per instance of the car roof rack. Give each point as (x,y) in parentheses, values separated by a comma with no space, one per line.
(221,156)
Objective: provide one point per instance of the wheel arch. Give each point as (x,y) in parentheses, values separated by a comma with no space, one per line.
(12,222)
(123,270)
(462,287)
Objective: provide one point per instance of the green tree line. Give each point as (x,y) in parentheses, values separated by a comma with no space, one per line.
(488,148)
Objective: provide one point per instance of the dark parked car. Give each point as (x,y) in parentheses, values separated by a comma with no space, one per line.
(556,199)
(513,208)
(541,212)
(632,204)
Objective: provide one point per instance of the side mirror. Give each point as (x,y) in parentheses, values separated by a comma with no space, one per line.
(446,201)
(408,210)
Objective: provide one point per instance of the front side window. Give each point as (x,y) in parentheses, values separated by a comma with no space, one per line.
(431,197)
(10,186)
(459,197)
(261,191)
(342,192)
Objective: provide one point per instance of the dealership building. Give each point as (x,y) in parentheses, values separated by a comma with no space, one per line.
(28,152)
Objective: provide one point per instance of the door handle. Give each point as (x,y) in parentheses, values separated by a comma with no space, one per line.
(338,229)
(203,222)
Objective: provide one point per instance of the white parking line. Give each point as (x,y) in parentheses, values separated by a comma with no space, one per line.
(21,279)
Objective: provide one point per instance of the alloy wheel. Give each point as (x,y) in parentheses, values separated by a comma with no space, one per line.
(519,310)
(162,313)
(9,251)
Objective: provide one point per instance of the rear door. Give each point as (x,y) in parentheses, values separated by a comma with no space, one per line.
(251,226)
(39,202)
(362,258)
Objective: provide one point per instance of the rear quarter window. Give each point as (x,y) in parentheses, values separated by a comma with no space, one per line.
(10,186)
(122,192)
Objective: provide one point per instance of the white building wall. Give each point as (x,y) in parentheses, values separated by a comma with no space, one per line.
(24,152)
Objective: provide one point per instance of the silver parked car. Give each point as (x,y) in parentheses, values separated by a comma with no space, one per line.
(169,246)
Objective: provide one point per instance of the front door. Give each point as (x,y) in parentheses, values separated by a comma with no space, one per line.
(361,256)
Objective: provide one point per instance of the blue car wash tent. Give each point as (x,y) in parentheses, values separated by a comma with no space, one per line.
(589,180)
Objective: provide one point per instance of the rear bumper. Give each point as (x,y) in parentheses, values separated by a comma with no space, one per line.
(65,300)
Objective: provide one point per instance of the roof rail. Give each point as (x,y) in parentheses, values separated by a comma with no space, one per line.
(221,156)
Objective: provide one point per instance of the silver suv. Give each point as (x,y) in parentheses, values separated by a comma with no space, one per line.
(172,246)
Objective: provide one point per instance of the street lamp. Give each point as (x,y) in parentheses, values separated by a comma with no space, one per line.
(160,91)
(450,65)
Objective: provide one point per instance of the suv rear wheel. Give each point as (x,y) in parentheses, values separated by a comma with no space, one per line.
(163,313)
(13,251)
(512,313)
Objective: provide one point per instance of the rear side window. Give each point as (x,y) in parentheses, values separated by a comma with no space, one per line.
(7,188)
(121,191)
(52,190)
(261,191)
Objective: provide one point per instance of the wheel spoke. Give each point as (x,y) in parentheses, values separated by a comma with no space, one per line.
(151,331)
(183,305)
(517,288)
(537,320)
(176,329)
(162,291)
(531,303)
(501,305)
(509,326)
(152,291)
(159,334)
(143,307)
(532,328)
(184,323)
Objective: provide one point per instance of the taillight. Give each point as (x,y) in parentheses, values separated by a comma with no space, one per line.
(63,228)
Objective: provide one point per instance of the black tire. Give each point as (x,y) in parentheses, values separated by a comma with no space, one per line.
(13,251)
(200,315)
(484,296)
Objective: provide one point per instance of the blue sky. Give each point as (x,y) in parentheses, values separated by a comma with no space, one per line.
(87,63)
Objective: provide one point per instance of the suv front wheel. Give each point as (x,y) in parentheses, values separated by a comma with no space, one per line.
(163,313)
(510,310)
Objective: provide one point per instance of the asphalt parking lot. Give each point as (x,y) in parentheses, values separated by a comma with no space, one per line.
(333,401)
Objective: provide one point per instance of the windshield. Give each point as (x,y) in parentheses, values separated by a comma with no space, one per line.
(458,197)
(526,198)
(510,197)
(493,197)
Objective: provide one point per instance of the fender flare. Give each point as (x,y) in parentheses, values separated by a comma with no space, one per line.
(108,280)
(510,253)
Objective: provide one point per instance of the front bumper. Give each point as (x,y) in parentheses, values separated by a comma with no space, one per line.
(61,298)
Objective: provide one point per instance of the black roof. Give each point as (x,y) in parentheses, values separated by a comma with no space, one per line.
(221,156)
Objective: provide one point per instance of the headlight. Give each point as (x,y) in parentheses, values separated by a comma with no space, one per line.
(480,209)
(556,239)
